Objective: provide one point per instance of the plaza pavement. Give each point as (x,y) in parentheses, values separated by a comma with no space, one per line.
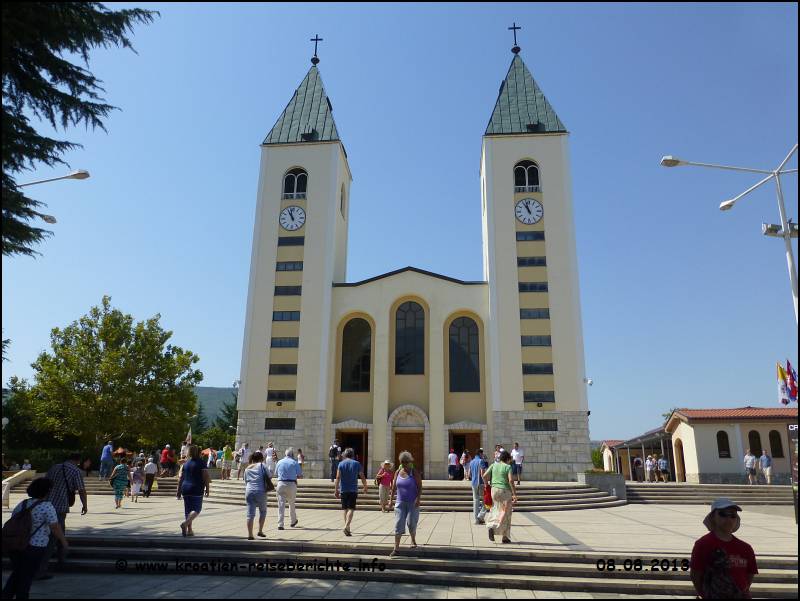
(623,531)
(771,530)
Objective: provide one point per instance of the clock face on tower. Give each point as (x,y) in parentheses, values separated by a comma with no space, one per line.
(292,218)
(529,211)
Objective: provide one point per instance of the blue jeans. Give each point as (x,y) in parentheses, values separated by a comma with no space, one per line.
(406,511)
(256,500)
(478,509)
(106,465)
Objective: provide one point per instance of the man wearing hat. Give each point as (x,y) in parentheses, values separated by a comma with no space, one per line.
(722,565)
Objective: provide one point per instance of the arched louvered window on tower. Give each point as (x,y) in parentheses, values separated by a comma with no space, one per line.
(294,183)
(409,343)
(754,438)
(775,444)
(526,177)
(464,356)
(723,446)
(356,355)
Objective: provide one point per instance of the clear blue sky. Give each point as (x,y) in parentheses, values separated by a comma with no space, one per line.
(682,305)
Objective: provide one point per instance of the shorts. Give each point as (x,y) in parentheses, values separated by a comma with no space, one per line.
(405,511)
(516,468)
(226,465)
(349,500)
(191,503)
(451,470)
(751,471)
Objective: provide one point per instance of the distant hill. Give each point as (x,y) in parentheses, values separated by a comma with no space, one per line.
(212,399)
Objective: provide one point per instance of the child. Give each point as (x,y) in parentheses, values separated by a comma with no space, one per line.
(137,479)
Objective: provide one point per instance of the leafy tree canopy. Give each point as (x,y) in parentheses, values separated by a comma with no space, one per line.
(110,378)
(39,81)
(226,420)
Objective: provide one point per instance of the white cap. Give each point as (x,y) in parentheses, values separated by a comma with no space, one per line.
(721,503)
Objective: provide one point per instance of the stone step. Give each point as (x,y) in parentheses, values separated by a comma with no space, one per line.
(568,572)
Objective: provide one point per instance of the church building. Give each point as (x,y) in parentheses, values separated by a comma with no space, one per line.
(414,360)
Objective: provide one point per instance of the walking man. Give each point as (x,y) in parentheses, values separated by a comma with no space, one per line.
(476,469)
(766,466)
(663,468)
(67,480)
(346,486)
(452,465)
(244,459)
(335,455)
(288,472)
(518,455)
(750,467)
(150,471)
(106,460)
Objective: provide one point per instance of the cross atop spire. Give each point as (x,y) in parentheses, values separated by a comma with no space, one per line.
(315,39)
(514,28)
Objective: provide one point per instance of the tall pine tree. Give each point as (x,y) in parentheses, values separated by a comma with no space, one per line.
(38,81)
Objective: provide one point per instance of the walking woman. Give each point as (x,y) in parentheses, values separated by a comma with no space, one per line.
(194,478)
(255,493)
(408,484)
(120,480)
(504,495)
(44,522)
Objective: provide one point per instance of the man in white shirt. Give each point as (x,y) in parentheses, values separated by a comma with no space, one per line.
(244,459)
(184,450)
(518,455)
(452,464)
(150,471)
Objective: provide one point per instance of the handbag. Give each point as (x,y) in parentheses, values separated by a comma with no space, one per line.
(487,496)
(268,485)
(70,492)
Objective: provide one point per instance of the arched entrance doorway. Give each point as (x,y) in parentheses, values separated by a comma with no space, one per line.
(408,429)
(680,465)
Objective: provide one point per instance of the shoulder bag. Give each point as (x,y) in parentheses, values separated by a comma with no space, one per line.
(268,485)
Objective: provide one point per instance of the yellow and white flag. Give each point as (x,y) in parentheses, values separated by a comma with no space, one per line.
(783,389)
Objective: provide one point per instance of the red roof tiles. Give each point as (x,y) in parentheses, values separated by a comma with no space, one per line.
(740,413)
(612,443)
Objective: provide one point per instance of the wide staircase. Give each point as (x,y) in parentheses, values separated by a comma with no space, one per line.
(437,495)
(95,486)
(704,494)
(564,571)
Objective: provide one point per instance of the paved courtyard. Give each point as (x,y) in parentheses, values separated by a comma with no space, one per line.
(623,531)
(771,530)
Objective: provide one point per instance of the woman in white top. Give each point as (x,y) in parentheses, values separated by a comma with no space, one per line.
(44,521)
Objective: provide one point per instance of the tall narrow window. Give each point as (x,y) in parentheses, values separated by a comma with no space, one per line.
(526,177)
(723,446)
(775,444)
(356,355)
(409,345)
(294,183)
(464,356)
(754,438)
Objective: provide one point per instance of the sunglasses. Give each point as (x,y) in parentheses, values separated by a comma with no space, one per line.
(727,514)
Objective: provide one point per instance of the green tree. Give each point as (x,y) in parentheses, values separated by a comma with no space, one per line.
(597,458)
(665,416)
(38,81)
(108,377)
(200,421)
(214,437)
(226,420)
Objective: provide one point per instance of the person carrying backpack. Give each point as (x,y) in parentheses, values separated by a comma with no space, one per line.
(26,535)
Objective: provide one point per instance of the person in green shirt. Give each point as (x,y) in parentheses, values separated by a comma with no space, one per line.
(227,462)
(504,495)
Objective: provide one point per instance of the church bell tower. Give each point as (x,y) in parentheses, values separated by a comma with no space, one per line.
(299,250)
(537,393)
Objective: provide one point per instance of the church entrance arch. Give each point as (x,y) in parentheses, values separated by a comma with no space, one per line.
(408,429)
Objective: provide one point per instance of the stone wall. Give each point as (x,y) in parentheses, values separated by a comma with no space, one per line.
(309,435)
(728,478)
(549,456)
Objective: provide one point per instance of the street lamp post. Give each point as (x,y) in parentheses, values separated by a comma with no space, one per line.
(77,174)
(786,230)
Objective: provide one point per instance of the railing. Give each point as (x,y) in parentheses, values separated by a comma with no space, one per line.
(523,189)
(288,195)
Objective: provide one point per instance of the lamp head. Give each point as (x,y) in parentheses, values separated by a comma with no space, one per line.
(671,161)
(727,205)
(79,174)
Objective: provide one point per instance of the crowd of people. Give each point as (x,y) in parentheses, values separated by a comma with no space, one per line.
(722,566)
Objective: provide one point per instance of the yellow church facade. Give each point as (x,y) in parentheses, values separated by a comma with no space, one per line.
(413,360)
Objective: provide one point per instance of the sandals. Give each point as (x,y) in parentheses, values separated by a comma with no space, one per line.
(262,535)
(491,534)
(506,540)
(347,532)
(183,529)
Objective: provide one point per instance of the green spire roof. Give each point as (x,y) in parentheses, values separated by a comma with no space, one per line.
(521,107)
(308,117)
